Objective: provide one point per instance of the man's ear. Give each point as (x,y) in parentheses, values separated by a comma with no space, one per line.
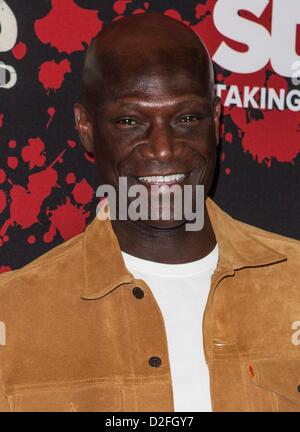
(217,117)
(84,128)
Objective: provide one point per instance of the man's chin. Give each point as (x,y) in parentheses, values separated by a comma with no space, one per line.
(162,224)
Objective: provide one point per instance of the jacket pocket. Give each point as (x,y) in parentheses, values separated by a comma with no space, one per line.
(280,376)
(84,396)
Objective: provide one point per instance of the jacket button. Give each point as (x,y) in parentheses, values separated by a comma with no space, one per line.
(138,292)
(154,361)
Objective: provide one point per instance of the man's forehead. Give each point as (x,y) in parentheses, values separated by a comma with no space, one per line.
(157,59)
(148,58)
(161,44)
(146,30)
(151,89)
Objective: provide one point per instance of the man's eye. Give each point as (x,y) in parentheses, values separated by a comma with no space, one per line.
(126,122)
(189,118)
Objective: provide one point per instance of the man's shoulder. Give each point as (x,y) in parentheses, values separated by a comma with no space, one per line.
(52,263)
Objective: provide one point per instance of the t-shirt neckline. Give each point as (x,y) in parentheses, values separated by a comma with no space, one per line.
(172,270)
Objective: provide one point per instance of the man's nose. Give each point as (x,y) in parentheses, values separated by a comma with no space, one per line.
(160,144)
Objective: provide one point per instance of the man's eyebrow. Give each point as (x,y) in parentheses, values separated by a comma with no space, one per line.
(130,103)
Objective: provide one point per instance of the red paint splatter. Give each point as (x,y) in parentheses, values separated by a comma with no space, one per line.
(251,80)
(2,176)
(67,26)
(227,171)
(206,28)
(26,203)
(20,50)
(201,10)
(1,120)
(12,144)
(83,192)
(220,77)
(266,139)
(228,137)
(138,11)
(120,6)
(4,269)
(146,5)
(277,82)
(222,156)
(118,17)
(91,158)
(69,220)
(51,111)
(172,13)
(31,239)
(2,200)
(12,162)
(239,117)
(52,74)
(71,143)
(34,153)
(50,234)
(70,178)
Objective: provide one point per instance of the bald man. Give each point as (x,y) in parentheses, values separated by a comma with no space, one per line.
(153,313)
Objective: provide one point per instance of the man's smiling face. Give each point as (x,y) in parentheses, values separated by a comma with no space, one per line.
(157,123)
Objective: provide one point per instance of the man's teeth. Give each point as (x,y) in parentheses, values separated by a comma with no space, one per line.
(162,179)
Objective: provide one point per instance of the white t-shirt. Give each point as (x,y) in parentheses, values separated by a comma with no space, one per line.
(181,292)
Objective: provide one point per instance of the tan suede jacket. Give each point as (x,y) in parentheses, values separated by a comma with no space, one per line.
(79,333)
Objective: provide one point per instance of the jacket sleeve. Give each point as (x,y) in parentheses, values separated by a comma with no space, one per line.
(4,405)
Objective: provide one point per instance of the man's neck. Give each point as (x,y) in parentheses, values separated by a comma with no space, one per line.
(169,246)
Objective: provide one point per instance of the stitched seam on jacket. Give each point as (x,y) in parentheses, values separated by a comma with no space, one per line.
(2,383)
(140,380)
(123,293)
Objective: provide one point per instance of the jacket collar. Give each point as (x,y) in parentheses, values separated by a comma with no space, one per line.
(105,270)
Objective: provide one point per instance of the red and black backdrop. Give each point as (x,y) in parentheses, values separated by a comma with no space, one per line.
(47,180)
